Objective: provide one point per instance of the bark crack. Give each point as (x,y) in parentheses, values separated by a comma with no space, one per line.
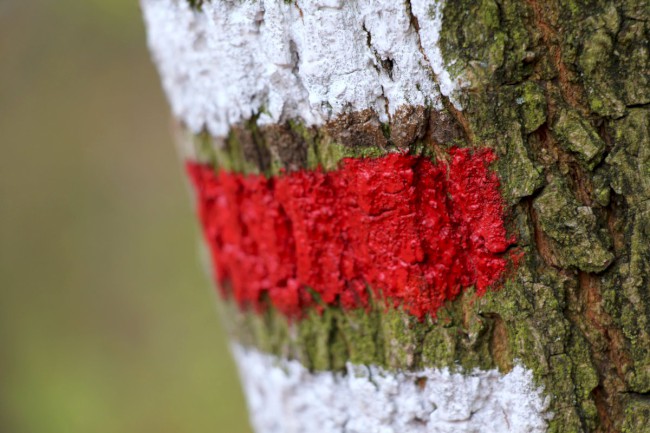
(457,114)
(380,61)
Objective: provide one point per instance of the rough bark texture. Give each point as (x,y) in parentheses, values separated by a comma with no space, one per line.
(560,91)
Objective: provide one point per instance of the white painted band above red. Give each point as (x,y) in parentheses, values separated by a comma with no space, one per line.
(285,397)
(306,59)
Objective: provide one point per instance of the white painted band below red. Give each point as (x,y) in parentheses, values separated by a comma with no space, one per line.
(306,59)
(285,397)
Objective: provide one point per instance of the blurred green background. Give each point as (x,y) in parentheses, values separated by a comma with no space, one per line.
(107,319)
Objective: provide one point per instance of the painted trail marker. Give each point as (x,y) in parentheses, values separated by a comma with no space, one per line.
(408,230)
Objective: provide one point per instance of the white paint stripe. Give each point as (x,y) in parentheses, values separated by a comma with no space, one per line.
(284,397)
(429,15)
(312,60)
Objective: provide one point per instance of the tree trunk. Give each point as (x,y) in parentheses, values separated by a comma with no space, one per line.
(423,215)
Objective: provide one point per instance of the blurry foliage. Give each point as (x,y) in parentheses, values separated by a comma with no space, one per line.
(107,321)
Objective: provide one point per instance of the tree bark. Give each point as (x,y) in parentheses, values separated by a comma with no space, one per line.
(556,93)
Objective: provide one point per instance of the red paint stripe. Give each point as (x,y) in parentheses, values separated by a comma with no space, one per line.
(413,231)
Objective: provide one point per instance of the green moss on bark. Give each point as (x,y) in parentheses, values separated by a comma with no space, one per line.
(637,415)
(576,239)
(579,137)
